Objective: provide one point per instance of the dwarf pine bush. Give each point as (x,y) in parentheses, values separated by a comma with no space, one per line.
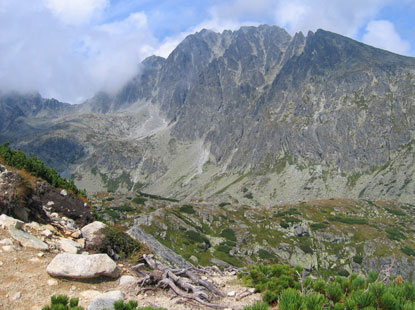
(284,285)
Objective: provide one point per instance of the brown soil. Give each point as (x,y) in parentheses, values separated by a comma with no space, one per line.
(23,271)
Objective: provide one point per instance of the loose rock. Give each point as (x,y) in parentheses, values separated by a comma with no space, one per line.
(80,266)
(27,240)
(92,233)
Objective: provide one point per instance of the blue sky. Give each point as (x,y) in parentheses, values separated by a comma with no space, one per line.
(70,49)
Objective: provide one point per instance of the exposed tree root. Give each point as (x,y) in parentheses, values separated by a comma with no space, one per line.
(185,283)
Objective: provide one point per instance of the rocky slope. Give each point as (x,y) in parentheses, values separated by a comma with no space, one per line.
(335,236)
(289,118)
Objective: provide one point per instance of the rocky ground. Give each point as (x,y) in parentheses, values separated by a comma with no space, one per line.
(26,283)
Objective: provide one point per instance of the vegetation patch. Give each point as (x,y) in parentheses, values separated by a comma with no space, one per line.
(122,243)
(348,220)
(408,251)
(395,233)
(157,197)
(187,209)
(195,236)
(229,234)
(139,200)
(282,285)
(318,226)
(19,160)
(395,212)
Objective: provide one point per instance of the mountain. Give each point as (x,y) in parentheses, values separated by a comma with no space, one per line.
(249,116)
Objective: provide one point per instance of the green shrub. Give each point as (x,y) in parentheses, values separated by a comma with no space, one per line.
(249,196)
(264,254)
(334,292)
(284,225)
(187,209)
(348,220)
(317,226)
(223,248)
(111,212)
(122,243)
(139,200)
(395,233)
(229,234)
(289,219)
(223,204)
(343,273)
(358,259)
(408,251)
(290,300)
(35,166)
(62,302)
(395,212)
(197,237)
(314,301)
(124,208)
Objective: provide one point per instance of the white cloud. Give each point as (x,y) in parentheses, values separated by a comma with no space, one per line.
(344,17)
(382,34)
(40,52)
(76,11)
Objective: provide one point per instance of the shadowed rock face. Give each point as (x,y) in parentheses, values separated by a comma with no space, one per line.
(332,114)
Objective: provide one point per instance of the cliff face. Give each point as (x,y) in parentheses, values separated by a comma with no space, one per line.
(286,118)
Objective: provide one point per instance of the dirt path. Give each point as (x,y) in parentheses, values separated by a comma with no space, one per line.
(25,284)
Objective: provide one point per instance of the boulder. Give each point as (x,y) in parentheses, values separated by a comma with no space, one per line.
(69,246)
(27,240)
(93,234)
(78,266)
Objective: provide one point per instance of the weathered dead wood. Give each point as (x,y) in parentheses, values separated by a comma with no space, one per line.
(246,294)
(169,283)
(184,282)
(203,283)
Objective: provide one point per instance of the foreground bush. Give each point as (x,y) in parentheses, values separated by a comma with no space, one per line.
(284,285)
(62,302)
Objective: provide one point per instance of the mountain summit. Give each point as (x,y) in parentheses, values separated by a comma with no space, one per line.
(253,115)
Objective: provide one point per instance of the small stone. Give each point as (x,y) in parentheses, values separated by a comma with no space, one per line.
(52,282)
(76,234)
(49,227)
(27,240)
(1,263)
(127,280)
(81,241)
(40,254)
(17,296)
(232,294)
(50,203)
(69,246)
(46,233)
(6,241)
(194,259)
(8,248)
(34,226)
(204,278)
(34,260)
(64,193)
(252,290)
